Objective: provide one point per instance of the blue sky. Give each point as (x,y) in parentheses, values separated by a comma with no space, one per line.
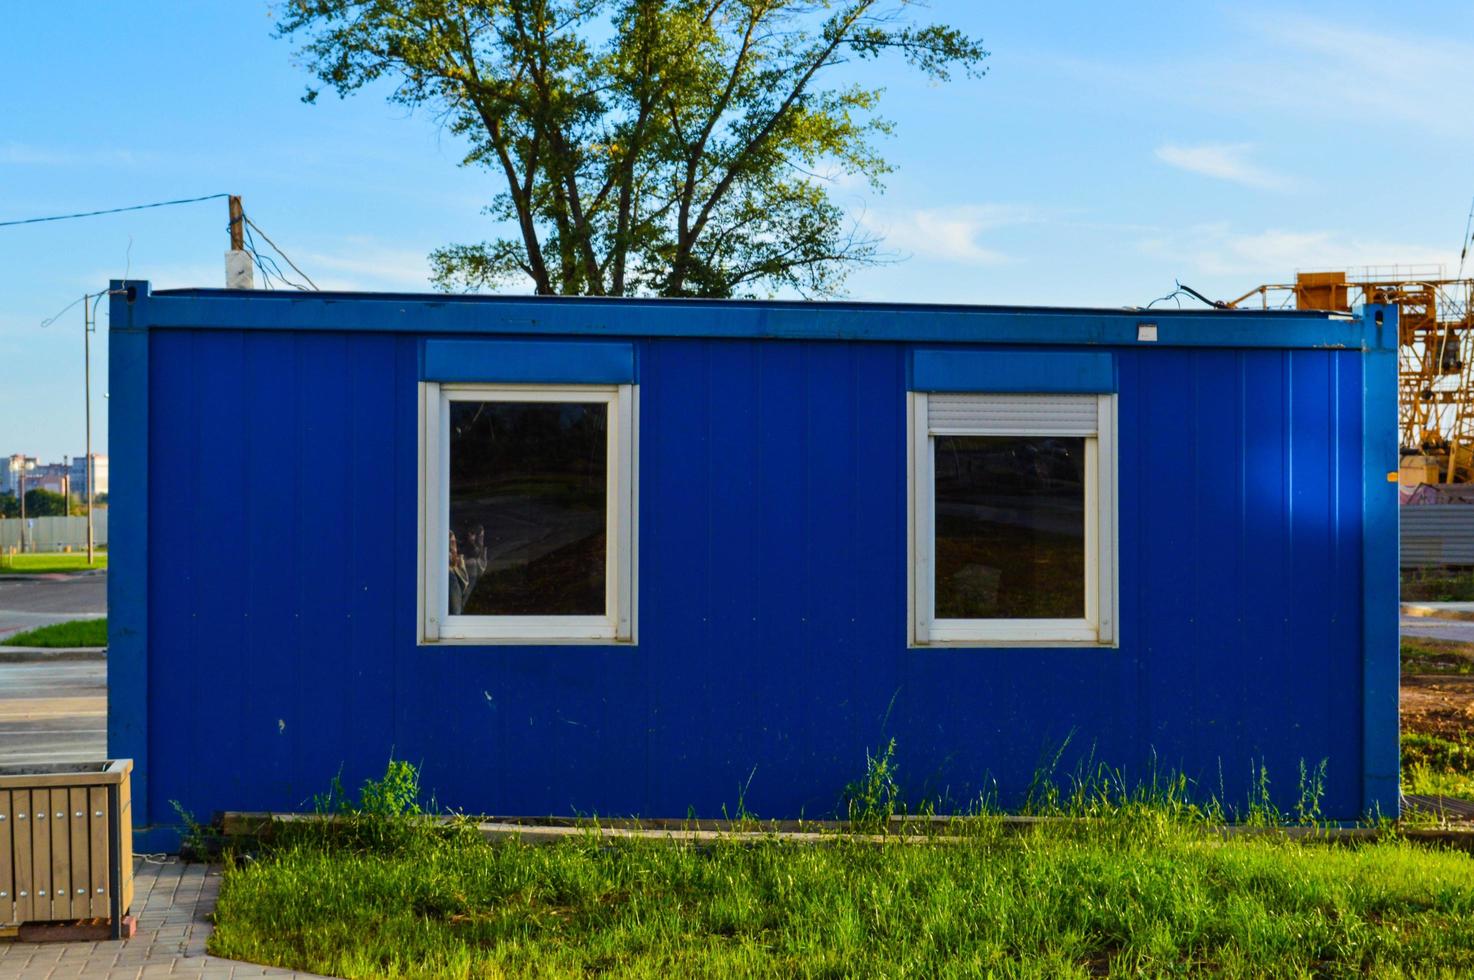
(1109,150)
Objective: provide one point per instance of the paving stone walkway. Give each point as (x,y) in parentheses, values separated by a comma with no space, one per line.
(171,900)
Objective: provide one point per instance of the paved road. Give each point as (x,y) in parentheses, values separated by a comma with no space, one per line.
(26,603)
(53,712)
(1438,629)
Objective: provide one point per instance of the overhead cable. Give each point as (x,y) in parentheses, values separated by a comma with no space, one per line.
(92,214)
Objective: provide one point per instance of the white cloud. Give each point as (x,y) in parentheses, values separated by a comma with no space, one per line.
(363,263)
(1374,74)
(953,234)
(27,155)
(1307,70)
(356,263)
(1223,161)
(1275,254)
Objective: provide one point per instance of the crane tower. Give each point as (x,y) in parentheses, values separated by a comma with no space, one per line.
(1435,355)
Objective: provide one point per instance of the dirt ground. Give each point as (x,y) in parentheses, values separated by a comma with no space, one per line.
(1438,704)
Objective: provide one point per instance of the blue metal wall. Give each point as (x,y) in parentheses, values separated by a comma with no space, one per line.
(281,551)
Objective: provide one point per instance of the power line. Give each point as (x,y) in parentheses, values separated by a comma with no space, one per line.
(1464,249)
(92,214)
(284,255)
(57,315)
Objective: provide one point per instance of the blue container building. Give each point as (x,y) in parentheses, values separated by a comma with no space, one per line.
(648,557)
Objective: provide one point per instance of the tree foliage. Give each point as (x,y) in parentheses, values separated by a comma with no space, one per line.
(39,503)
(669,147)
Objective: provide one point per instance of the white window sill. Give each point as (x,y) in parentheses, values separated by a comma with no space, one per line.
(527,630)
(1012,633)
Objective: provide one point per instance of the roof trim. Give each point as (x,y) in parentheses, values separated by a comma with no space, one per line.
(220,309)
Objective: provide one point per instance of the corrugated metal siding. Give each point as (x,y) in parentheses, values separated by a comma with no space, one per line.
(1437,534)
(772,651)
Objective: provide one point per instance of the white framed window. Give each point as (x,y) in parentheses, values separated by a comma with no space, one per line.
(1012,519)
(527,513)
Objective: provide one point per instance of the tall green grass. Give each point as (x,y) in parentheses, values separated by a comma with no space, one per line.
(1139,885)
(1436,766)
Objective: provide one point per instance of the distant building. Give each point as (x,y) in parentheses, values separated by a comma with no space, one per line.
(48,476)
(65,477)
(79,475)
(11,468)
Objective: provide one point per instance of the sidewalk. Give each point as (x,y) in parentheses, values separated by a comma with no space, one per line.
(171,901)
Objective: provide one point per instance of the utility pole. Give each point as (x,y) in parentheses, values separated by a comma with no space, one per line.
(238,273)
(87,328)
(22,503)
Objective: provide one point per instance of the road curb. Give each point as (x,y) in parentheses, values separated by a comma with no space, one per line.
(1435,612)
(77,573)
(41,655)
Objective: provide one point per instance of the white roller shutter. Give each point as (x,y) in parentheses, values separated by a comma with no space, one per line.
(1007,415)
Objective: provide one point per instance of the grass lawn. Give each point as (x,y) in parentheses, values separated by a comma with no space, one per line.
(1135,898)
(1437,698)
(77,633)
(40,564)
(1139,890)
(1424,655)
(1437,585)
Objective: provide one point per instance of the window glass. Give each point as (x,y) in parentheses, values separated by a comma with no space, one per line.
(528,508)
(1010,527)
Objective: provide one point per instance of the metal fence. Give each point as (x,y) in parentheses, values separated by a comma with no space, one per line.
(1437,534)
(55,533)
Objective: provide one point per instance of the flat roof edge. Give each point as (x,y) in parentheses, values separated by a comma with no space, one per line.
(136,306)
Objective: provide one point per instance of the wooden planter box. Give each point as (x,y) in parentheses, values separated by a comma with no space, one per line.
(66,843)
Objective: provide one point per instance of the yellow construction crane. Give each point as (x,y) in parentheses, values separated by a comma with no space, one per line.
(1435,355)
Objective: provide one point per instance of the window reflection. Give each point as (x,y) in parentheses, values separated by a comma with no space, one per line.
(1010,527)
(528,493)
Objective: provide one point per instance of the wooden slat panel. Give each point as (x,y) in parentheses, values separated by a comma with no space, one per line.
(77,830)
(40,855)
(125,851)
(60,820)
(98,841)
(25,892)
(61,774)
(7,869)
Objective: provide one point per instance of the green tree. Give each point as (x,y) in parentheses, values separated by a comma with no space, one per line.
(9,505)
(44,503)
(668,147)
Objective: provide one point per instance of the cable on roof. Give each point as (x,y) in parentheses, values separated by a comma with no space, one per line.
(92,214)
(1182,290)
(278,250)
(266,265)
(1217,304)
